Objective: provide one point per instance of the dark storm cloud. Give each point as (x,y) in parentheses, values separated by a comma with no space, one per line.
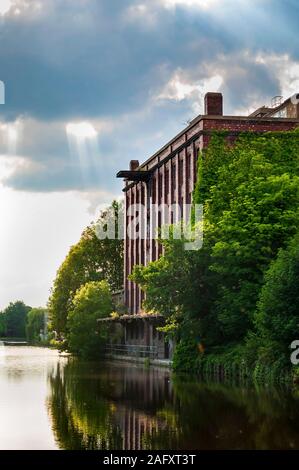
(86,58)
(106,59)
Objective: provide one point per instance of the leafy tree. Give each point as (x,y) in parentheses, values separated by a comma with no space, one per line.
(15,319)
(35,323)
(277,317)
(91,259)
(2,324)
(185,298)
(261,218)
(91,301)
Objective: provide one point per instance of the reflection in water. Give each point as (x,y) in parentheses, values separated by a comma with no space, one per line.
(109,408)
(49,402)
(120,406)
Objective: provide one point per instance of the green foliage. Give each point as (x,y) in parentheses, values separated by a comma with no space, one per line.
(185,355)
(2,325)
(250,212)
(91,259)
(35,324)
(92,301)
(80,414)
(14,319)
(250,194)
(277,317)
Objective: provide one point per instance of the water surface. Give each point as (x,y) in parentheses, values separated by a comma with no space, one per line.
(52,402)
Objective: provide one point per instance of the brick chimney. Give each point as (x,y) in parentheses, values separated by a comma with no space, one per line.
(134,164)
(214,104)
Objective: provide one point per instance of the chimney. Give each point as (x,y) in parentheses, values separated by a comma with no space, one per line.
(214,104)
(134,164)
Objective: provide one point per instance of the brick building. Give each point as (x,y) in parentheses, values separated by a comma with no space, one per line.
(168,177)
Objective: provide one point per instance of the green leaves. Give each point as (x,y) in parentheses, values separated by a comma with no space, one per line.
(277,316)
(35,323)
(14,319)
(257,219)
(91,259)
(92,301)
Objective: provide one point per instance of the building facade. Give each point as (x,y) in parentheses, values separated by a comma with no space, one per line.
(168,177)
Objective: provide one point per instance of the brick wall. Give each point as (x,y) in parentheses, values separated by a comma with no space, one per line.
(174,176)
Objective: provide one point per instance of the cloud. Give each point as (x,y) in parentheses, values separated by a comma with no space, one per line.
(284,69)
(131,73)
(202,4)
(5,6)
(62,59)
(182,88)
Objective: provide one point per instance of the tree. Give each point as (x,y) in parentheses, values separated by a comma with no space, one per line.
(261,218)
(35,323)
(91,301)
(2,324)
(91,259)
(15,319)
(277,317)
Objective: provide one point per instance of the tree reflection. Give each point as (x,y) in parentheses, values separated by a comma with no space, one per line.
(218,416)
(81,418)
(128,407)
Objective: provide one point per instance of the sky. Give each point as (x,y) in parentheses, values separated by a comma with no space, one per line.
(92,84)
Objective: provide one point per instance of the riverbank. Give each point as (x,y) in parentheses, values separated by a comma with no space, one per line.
(235,364)
(141,360)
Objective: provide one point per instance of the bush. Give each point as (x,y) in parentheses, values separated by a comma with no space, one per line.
(277,318)
(185,355)
(35,324)
(91,302)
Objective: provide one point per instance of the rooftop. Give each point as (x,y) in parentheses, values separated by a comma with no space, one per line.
(286,110)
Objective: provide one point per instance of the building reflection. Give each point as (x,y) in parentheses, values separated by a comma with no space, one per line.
(122,406)
(115,408)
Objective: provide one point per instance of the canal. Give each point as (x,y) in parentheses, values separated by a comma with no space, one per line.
(53,402)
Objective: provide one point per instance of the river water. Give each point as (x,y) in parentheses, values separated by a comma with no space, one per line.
(53,402)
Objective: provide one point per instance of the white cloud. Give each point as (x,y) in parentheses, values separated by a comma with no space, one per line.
(81,130)
(285,69)
(144,15)
(5,6)
(203,4)
(98,200)
(20,7)
(181,87)
(177,90)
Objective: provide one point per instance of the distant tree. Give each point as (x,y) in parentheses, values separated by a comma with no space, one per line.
(35,324)
(91,301)
(15,319)
(91,259)
(2,324)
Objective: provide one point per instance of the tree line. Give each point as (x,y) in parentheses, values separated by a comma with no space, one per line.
(18,320)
